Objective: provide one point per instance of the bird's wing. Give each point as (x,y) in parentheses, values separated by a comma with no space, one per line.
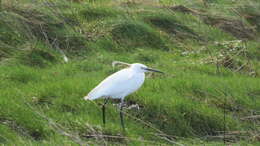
(112,85)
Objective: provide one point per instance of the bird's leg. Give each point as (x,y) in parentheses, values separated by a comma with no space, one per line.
(104,110)
(121,113)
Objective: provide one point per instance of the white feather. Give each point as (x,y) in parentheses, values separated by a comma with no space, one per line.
(118,85)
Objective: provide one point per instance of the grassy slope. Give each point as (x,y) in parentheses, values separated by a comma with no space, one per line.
(41,95)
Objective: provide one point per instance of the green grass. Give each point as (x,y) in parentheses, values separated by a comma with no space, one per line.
(133,35)
(41,95)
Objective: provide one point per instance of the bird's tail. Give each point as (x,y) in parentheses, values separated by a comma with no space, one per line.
(88,98)
(92,95)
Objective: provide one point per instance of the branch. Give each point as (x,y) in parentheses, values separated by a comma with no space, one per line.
(254,117)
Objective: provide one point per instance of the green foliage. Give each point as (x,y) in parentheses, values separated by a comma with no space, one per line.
(91,14)
(38,55)
(251,13)
(132,35)
(41,95)
(172,26)
(20,25)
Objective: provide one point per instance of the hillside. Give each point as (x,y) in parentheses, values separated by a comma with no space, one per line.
(53,52)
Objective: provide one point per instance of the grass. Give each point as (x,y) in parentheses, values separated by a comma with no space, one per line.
(137,35)
(41,95)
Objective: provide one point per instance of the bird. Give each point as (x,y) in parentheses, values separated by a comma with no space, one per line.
(119,85)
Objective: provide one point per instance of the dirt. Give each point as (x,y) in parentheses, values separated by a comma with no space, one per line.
(235,27)
(254,19)
(34,134)
(173,27)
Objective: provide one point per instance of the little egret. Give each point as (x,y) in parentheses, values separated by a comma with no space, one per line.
(119,85)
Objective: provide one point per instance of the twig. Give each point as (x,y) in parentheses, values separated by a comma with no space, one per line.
(234,135)
(169,140)
(120,137)
(236,132)
(148,125)
(224,137)
(97,133)
(238,69)
(254,117)
(105,136)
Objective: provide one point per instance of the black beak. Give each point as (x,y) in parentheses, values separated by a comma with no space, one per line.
(153,70)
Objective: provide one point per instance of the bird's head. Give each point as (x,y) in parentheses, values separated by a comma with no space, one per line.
(138,67)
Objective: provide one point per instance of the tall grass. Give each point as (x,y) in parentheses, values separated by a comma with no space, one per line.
(193,103)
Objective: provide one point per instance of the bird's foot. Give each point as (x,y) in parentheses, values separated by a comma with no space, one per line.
(129,107)
(119,105)
(133,106)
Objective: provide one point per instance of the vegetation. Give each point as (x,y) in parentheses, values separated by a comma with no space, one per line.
(53,52)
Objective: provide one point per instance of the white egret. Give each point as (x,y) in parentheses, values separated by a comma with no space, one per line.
(120,84)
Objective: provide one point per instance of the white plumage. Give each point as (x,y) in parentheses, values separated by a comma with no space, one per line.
(120,84)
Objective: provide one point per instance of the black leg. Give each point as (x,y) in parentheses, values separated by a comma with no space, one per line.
(104,110)
(121,114)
